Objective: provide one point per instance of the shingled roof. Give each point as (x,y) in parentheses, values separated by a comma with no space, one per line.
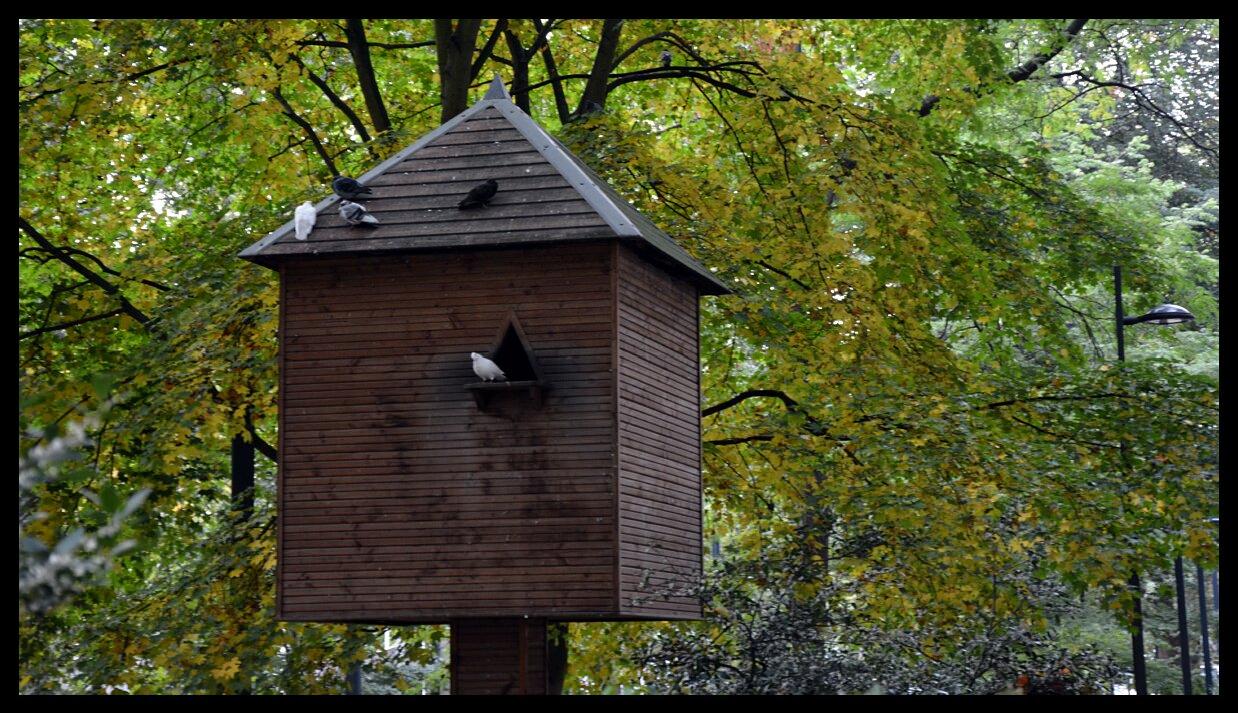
(546,195)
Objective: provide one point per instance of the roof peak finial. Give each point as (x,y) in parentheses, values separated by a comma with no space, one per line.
(497,90)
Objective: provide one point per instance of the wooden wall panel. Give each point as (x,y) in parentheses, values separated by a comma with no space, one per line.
(658,432)
(400,499)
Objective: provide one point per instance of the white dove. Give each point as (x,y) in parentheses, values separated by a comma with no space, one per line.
(304,220)
(356,214)
(486,369)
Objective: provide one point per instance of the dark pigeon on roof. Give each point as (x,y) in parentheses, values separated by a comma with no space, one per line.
(480,195)
(348,188)
(550,196)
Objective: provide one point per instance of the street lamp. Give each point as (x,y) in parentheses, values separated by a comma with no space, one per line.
(1161,314)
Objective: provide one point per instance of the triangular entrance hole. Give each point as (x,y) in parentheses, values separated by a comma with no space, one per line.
(511,351)
(513,355)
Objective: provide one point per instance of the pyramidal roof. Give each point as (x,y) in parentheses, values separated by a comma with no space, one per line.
(546,195)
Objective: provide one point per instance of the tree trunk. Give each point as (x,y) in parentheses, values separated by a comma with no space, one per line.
(556,657)
(520,71)
(455,54)
(594,98)
(360,50)
(242,475)
(556,84)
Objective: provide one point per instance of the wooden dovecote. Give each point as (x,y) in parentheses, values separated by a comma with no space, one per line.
(411,491)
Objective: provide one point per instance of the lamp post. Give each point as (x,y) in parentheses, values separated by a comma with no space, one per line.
(1161,314)
(1203,628)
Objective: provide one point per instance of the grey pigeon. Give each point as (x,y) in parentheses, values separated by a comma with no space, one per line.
(356,214)
(346,187)
(666,58)
(480,194)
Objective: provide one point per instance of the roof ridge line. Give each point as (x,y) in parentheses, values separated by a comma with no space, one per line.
(578,179)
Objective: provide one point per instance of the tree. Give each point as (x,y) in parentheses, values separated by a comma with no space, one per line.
(904,381)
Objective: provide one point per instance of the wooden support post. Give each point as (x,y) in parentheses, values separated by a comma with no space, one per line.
(498,656)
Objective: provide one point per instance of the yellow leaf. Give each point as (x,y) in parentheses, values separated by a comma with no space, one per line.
(228,670)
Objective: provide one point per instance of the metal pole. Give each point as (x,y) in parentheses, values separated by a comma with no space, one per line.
(1138,665)
(1184,639)
(1203,627)
(1117,311)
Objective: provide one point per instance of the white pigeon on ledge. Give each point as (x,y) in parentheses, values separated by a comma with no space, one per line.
(304,219)
(486,369)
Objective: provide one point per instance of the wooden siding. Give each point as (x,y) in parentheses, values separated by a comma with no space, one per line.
(658,431)
(400,500)
(486,657)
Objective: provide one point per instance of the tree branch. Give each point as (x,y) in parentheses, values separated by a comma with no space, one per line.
(742,439)
(478,64)
(1141,98)
(1028,68)
(125,307)
(784,273)
(1030,399)
(126,78)
(82,270)
(1063,436)
(739,398)
(334,98)
(309,131)
(1025,70)
(668,37)
(701,73)
(380,45)
(77,251)
(556,83)
(66,325)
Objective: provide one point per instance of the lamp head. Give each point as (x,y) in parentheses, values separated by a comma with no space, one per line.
(1162,314)
(1169,314)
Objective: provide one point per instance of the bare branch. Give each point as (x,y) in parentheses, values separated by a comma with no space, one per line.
(1028,68)
(739,398)
(126,78)
(335,99)
(742,439)
(82,270)
(499,28)
(66,325)
(380,45)
(1030,399)
(309,131)
(1142,99)
(1025,70)
(77,251)
(555,81)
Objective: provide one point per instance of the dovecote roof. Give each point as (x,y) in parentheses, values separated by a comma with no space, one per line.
(546,195)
